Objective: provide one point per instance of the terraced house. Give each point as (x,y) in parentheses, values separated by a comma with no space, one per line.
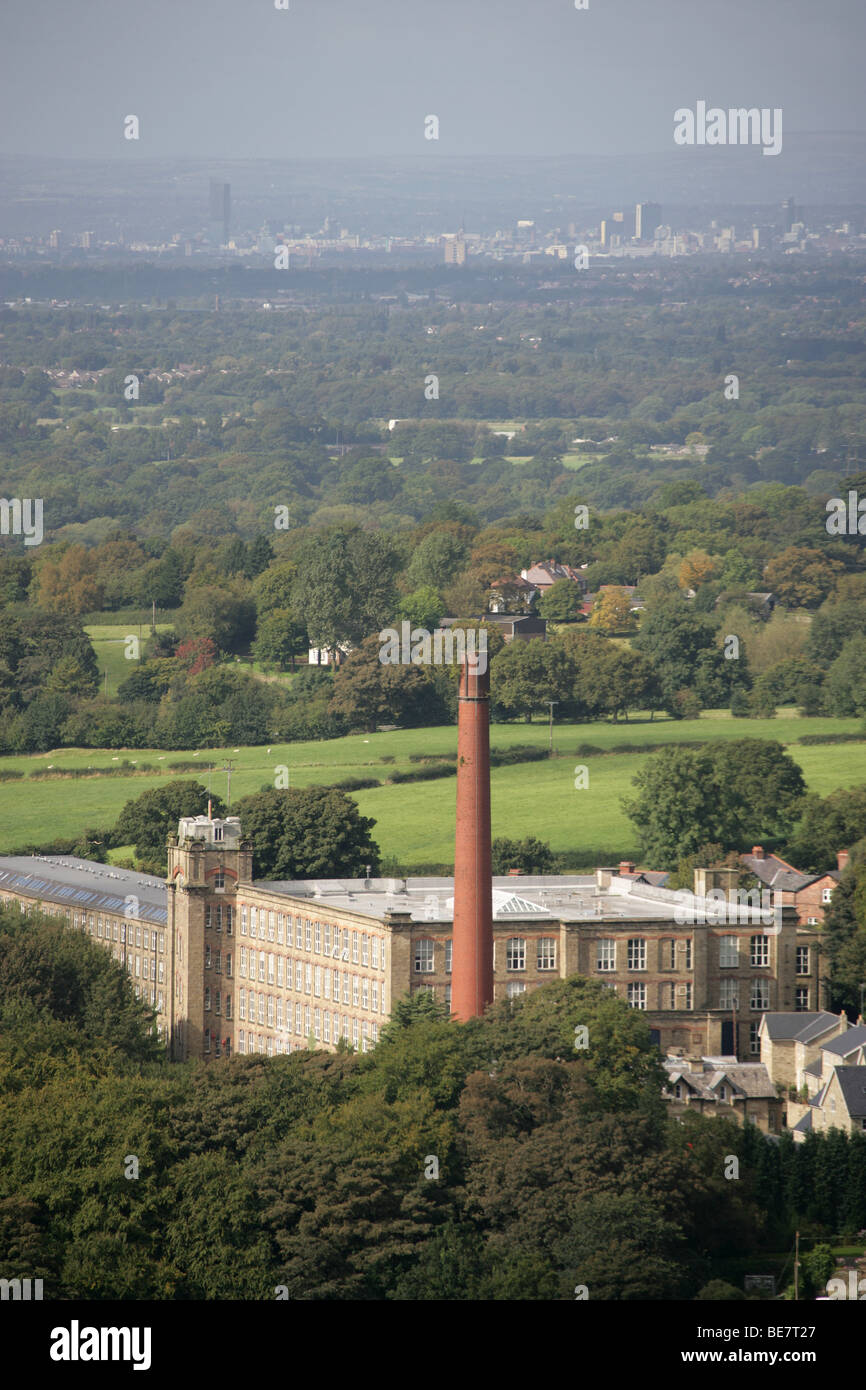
(235,964)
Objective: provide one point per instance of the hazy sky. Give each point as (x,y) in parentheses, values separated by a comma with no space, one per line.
(237,79)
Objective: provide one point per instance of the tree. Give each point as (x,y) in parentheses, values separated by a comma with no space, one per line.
(845,686)
(562,602)
(279,638)
(828,824)
(437,560)
(310,832)
(66,582)
(845,933)
(727,793)
(147,820)
(530,856)
(424,607)
(525,675)
(345,586)
(696,569)
(368,691)
(612,612)
(802,577)
(226,615)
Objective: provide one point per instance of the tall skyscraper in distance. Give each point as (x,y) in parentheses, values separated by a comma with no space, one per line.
(789,213)
(221,206)
(647,216)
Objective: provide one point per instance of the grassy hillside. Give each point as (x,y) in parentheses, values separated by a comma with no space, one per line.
(415,821)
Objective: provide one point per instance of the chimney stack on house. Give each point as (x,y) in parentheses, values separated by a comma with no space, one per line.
(472,976)
(842,857)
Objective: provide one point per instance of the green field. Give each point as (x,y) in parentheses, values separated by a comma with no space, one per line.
(109,641)
(415,821)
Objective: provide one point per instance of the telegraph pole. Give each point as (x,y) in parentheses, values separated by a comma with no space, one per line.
(550,741)
(228,765)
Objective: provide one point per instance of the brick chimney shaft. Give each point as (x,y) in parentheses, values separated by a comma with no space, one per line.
(472,969)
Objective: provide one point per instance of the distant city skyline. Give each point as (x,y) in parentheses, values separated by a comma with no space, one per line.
(227,80)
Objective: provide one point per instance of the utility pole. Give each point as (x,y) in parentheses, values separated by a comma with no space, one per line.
(797,1267)
(550,741)
(228,765)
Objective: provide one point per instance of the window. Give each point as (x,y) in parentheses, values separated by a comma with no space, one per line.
(207,959)
(515,987)
(336,986)
(515,953)
(365,993)
(281,926)
(317,982)
(217,832)
(272,922)
(308,934)
(354,1032)
(243,924)
(760,995)
(637,954)
(308,979)
(729,994)
(423,956)
(299,977)
(802,966)
(669,955)
(354,948)
(637,996)
(219,880)
(605,955)
(356,984)
(270,967)
(207,996)
(241,1041)
(683,995)
(326,1023)
(217,1003)
(376,954)
(317,1024)
(317,938)
(729,952)
(270,1011)
(218,962)
(365,949)
(345,986)
(687,952)
(327,983)
(449,954)
(678,1091)
(243,970)
(376,995)
(760,955)
(754,1039)
(162,972)
(327,938)
(279,1013)
(138,936)
(242,1003)
(228,1006)
(280,964)
(299,1024)
(299,933)
(545,953)
(826,895)
(262,967)
(801,1000)
(308,1020)
(261,1002)
(207,1040)
(723,1092)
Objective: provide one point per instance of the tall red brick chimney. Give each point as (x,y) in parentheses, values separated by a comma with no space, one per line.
(472,964)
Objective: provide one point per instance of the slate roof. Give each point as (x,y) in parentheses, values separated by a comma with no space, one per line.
(852,1081)
(64,880)
(805,1027)
(848,1042)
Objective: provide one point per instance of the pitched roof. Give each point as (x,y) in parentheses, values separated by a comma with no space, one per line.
(848,1042)
(852,1082)
(805,1027)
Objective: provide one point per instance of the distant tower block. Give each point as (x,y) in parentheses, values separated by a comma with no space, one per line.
(472,977)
